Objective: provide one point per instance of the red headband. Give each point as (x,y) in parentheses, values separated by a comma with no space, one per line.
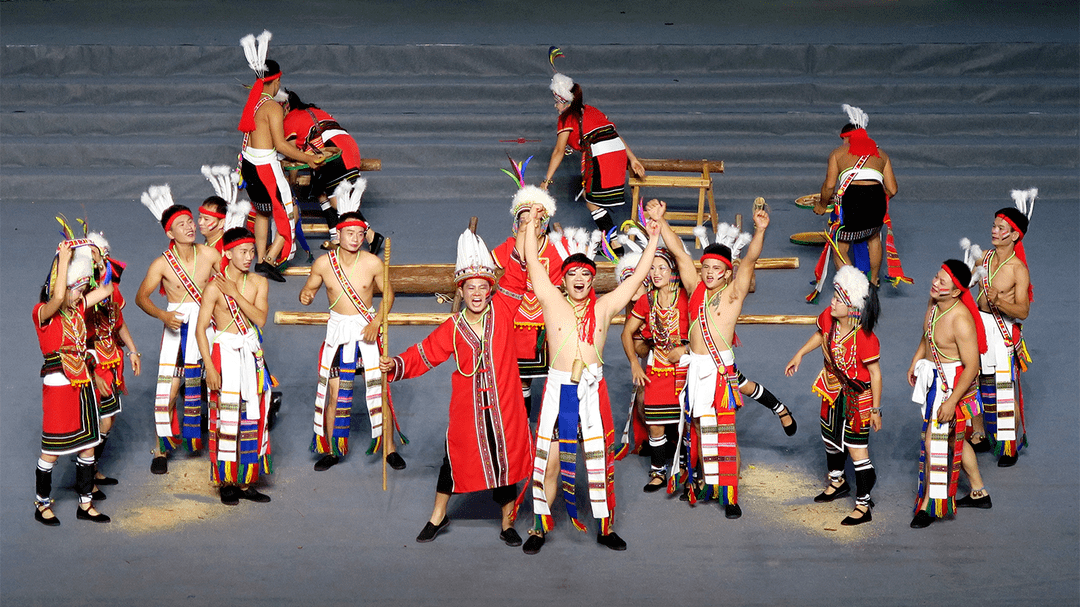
(247,119)
(578,264)
(237,243)
(726,261)
(860,144)
(168,224)
(349,223)
(211,212)
(969,303)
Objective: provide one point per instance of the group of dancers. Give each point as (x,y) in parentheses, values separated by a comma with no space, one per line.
(530,310)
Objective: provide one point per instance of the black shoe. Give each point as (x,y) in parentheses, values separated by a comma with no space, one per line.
(326,462)
(611,540)
(852,521)
(975,502)
(533,544)
(48,522)
(1006,461)
(652,487)
(791,429)
(376,243)
(230,495)
(98,495)
(396,461)
(511,537)
(980,447)
(838,492)
(85,515)
(269,271)
(732,511)
(251,495)
(106,481)
(159,465)
(429,531)
(921,520)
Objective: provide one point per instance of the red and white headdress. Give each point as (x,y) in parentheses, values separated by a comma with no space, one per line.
(348,195)
(255,52)
(473,259)
(225,180)
(860,144)
(727,235)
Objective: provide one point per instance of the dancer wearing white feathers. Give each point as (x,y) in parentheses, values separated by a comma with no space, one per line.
(212,211)
(712,393)
(575,396)
(181,274)
(1004,301)
(262,124)
(351,275)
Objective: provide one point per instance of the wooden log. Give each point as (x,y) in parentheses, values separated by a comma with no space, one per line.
(681,166)
(420,279)
(285,317)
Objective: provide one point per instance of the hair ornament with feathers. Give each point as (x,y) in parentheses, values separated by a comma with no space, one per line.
(1025,200)
(236,214)
(473,259)
(561,84)
(157,198)
(856,116)
(255,51)
(224,180)
(973,259)
(727,235)
(528,195)
(348,195)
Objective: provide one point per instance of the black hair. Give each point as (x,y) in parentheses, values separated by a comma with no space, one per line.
(217,204)
(354,215)
(718,249)
(579,258)
(296,104)
(1014,215)
(272,68)
(169,213)
(848,128)
(960,271)
(871,310)
(577,107)
(234,234)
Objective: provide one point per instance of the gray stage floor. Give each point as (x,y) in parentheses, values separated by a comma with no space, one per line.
(336,538)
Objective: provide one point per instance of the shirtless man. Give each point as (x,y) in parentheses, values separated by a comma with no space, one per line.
(712,387)
(351,275)
(235,303)
(575,395)
(863,200)
(183,272)
(1004,301)
(264,137)
(943,373)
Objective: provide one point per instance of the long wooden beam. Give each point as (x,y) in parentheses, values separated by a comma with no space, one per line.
(439,277)
(680,166)
(285,317)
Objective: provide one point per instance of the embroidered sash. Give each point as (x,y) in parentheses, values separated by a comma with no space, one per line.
(173,430)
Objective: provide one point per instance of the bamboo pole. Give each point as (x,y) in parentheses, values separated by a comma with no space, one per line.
(387,413)
(283,317)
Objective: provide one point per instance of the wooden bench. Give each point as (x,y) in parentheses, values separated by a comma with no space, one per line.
(702,180)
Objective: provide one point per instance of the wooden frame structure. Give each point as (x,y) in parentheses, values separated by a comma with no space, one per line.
(702,181)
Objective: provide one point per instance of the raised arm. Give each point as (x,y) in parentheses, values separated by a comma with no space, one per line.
(617,299)
(688,272)
(59,287)
(745,273)
(99,295)
(546,292)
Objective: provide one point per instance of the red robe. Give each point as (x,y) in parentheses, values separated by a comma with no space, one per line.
(529,318)
(477,423)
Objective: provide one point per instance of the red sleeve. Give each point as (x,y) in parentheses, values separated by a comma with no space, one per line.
(296,127)
(641,307)
(869,348)
(428,354)
(501,253)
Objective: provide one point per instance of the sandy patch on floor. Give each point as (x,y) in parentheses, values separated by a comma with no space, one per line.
(182,496)
(786,498)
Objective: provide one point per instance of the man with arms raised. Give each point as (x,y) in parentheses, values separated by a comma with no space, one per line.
(351,275)
(181,274)
(575,395)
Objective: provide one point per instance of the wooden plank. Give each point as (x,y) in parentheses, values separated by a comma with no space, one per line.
(422,279)
(283,317)
(668,181)
(681,166)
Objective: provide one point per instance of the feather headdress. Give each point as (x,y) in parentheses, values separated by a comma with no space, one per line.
(157,198)
(1025,200)
(224,179)
(348,195)
(237,214)
(973,258)
(528,195)
(856,116)
(255,51)
(727,235)
(473,259)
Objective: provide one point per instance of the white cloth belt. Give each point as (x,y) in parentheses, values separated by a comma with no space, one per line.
(998,354)
(348,330)
(924,380)
(239,369)
(701,375)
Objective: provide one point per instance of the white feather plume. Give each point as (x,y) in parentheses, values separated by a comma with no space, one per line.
(221,177)
(236,214)
(594,243)
(1025,200)
(348,195)
(157,198)
(972,258)
(255,51)
(702,236)
(740,243)
(558,241)
(856,116)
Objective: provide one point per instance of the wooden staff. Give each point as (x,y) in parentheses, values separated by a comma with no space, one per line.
(456,306)
(387,413)
(434,318)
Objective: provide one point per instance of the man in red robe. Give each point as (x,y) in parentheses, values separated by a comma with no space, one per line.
(488,445)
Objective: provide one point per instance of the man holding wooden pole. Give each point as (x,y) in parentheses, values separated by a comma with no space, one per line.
(351,275)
